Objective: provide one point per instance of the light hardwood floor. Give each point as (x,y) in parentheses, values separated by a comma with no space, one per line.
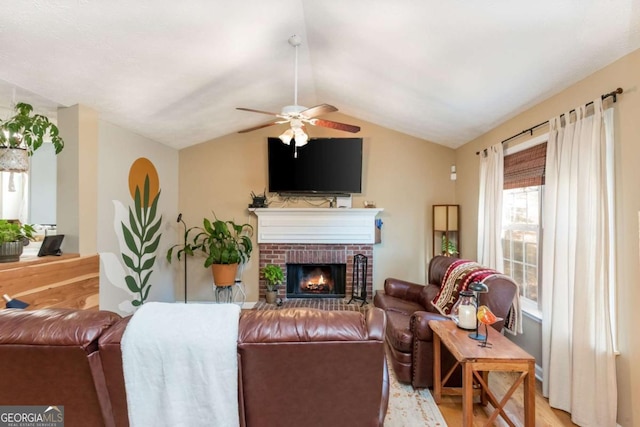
(499,382)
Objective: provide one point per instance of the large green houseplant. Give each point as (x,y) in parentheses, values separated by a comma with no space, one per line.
(224,245)
(13,238)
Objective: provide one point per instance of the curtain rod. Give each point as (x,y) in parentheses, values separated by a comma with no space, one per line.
(614,94)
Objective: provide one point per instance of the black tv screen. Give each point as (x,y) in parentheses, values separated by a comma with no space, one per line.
(323,166)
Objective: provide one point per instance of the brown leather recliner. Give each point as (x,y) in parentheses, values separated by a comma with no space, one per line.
(313,368)
(408,306)
(50,357)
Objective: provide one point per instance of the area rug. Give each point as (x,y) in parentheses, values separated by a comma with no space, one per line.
(409,407)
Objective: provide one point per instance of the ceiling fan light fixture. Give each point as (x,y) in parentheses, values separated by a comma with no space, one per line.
(300,137)
(286,136)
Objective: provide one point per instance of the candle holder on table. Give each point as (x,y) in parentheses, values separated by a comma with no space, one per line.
(464,311)
(477,288)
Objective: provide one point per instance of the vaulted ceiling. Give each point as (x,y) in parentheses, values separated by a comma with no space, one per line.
(445,71)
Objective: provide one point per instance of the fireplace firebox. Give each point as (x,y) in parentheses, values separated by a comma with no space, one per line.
(316,280)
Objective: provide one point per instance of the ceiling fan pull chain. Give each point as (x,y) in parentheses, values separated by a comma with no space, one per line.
(295,90)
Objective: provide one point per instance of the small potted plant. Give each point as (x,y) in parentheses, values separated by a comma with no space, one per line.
(448,247)
(22,134)
(224,244)
(13,238)
(274,276)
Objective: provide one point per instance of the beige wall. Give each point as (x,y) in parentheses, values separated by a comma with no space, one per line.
(77,200)
(119,149)
(623,73)
(93,174)
(402,174)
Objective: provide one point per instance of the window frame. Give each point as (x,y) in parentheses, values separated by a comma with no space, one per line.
(529,307)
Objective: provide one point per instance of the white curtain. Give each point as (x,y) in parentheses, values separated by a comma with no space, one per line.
(490,207)
(578,268)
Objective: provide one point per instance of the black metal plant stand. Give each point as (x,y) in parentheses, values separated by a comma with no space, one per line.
(186,233)
(359,282)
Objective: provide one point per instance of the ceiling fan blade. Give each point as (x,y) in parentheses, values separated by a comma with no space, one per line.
(264,125)
(335,125)
(251,110)
(318,110)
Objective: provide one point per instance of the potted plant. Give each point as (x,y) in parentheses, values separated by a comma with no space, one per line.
(22,134)
(13,238)
(274,276)
(225,245)
(448,247)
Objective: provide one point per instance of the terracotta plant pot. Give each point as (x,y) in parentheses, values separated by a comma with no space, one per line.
(224,274)
(270,296)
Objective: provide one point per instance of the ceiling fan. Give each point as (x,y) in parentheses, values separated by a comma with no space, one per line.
(297,115)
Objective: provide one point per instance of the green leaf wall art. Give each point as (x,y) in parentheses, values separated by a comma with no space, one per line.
(141,234)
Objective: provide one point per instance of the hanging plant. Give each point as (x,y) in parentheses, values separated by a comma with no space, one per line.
(27,131)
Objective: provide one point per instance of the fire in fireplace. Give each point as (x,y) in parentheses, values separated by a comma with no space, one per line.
(316,280)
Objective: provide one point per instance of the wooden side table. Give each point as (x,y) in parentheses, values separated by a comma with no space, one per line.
(477,362)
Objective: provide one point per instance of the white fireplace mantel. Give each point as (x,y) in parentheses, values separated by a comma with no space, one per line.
(316,225)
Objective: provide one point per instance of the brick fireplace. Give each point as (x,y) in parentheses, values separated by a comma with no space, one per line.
(316,236)
(282,254)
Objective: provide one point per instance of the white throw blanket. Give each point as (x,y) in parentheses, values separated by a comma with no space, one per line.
(180,365)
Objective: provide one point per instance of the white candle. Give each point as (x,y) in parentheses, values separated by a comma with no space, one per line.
(467,316)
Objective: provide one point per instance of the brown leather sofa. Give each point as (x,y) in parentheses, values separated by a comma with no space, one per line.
(51,357)
(408,306)
(296,367)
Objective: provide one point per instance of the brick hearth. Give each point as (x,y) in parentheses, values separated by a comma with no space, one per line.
(283,253)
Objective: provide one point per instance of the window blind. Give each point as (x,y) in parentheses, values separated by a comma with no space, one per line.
(525,168)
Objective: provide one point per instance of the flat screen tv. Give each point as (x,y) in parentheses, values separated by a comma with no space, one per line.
(323,166)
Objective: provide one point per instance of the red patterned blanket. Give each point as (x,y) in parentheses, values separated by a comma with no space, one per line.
(456,279)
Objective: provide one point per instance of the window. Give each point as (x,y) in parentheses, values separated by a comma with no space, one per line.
(521,238)
(521,219)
